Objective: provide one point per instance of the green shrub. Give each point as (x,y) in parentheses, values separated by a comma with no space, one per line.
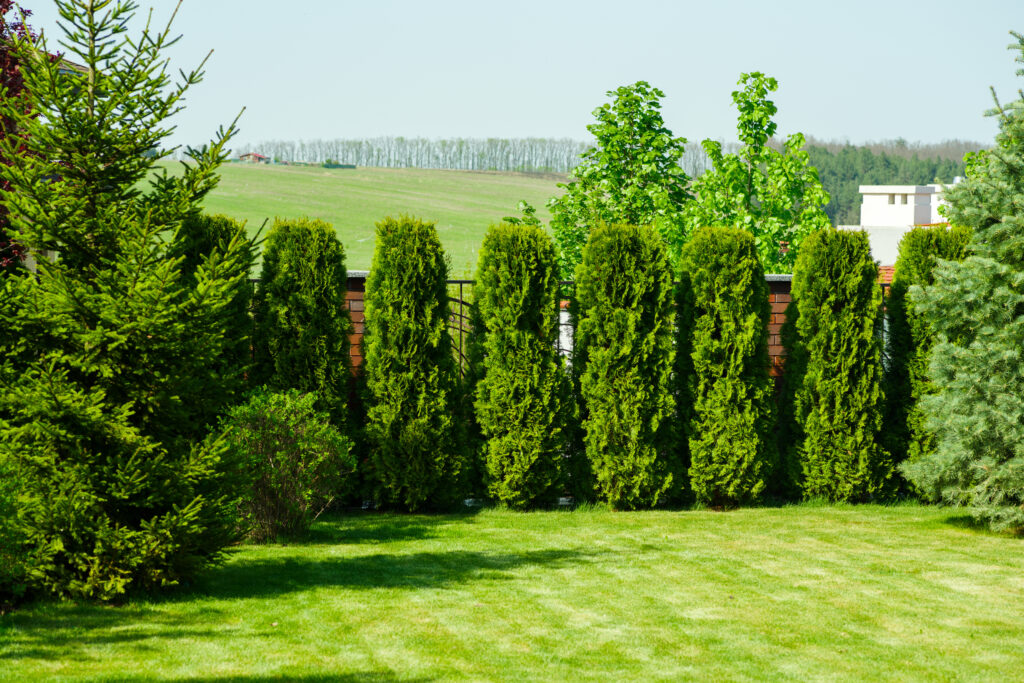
(838,373)
(302,324)
(202,237)
(723,323)
(523,401)
(412,382)
(623,357)
(295,462)
(910,338)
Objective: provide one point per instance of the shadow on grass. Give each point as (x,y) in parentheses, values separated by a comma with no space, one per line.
(971,524)
(62,632)
(376,527)
(264,577)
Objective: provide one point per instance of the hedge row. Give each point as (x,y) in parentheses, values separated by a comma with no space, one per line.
(668,396)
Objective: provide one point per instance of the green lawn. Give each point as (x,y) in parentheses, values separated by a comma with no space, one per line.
(463,203)
(793,593)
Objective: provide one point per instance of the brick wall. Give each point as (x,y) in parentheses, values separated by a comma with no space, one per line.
(779,298)
(354,299)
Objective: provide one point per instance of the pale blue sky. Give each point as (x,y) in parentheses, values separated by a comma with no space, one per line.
(862,69)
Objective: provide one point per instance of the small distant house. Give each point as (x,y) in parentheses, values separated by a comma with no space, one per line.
(254,158)
(887,212)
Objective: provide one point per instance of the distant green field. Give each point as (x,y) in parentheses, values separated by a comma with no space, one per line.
(464,203)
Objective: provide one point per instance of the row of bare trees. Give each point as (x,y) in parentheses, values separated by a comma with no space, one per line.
(529,155)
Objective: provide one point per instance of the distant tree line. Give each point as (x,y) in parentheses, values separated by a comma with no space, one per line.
(527,155)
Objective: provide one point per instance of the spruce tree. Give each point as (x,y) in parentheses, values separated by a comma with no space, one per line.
(723,325)
(623,358)
(838,374)
(523,403)
(302,323)
(413,423)
(112,371)
(976,310)
(909,339)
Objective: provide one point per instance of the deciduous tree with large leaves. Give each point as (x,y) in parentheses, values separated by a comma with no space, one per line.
(773,193)
(631,175)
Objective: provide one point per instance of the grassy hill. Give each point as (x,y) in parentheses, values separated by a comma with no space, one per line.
(464,203)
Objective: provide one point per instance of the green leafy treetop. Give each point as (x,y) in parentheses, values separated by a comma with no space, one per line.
(976,309)
(631,175)
(774,194)
(110,375)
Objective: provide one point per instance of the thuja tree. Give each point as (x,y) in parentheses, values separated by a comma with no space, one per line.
(723,324)
(910,338)
(631,175)
(107,382)
(838,393)
(199,242)
(976,310)
(773,193)
(302,323)
(624,356)
(523,403)
(413,421)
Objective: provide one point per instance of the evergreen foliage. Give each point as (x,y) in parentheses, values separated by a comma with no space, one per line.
(111,371)
(910,338)
(723,324)
(200,238)
(624,357)
(295,462)
(523,403)
(302,322)
(838,369)
(976,310)
(631,175)
(412,382)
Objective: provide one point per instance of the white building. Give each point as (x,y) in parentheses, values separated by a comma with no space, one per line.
(887,212)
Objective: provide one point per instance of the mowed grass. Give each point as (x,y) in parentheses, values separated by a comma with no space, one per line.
(464,203)
(842,593)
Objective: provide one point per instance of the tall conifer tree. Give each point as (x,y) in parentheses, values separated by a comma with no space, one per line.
(111,377)
(838,369)
(723,325)
(623,359)
(523,404)
(414,427)
(976,308)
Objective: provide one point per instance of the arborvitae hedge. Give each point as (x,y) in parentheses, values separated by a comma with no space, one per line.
(723,324)
(838,393)
(624,356)
(198,238)
(523,402)
(910,338)
(302,324)
(412,381)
